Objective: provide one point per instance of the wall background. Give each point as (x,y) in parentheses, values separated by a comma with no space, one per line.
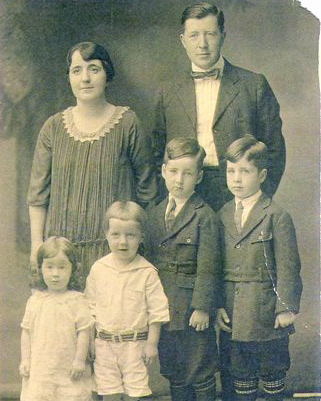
(276,37)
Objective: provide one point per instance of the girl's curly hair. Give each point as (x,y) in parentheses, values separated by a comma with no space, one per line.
(49,249)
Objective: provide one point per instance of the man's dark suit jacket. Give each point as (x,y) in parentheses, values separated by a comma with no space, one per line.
(245,105)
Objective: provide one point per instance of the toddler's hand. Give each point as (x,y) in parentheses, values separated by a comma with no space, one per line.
(199,320)
(77,369)
(284,319)
(222,320)
(24,368)
(150,353)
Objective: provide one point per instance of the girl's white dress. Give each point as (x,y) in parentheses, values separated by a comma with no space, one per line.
(53,320)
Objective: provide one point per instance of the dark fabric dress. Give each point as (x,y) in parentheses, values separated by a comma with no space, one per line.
(78,176)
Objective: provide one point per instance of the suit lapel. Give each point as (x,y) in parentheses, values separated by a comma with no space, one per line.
(160,217)
(227,217)
(184,216)
(227,92)
(256,215)
(186,93)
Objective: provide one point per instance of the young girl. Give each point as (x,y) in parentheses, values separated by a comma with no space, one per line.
(129,305)
(55,330)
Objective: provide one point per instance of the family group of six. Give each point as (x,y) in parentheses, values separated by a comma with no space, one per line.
(210,246)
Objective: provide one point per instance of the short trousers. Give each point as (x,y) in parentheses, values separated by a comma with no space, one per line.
(267,360)
(188,356)
(119,368)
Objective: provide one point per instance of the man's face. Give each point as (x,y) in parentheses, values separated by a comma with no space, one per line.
(203,40)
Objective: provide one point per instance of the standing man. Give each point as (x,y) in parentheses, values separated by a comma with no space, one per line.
(217,103)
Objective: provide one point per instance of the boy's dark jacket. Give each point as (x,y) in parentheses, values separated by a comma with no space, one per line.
(261,270)
(188,258)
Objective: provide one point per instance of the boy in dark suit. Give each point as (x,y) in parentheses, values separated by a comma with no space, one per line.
(184,246)
(261,270)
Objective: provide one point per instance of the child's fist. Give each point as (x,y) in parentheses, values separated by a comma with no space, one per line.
(284,319)
(223,321)
(77,370)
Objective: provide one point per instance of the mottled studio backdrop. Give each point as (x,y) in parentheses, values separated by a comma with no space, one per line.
(275,37)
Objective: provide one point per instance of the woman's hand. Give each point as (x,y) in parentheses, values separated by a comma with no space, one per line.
(24,368)
(77,370)
(223,321)
(199,320)
(33,257)
(284,319)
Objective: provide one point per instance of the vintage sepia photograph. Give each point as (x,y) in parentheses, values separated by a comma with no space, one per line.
(159,200)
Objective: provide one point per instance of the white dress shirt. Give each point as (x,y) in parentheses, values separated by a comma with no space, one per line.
(248,204)
(206,90)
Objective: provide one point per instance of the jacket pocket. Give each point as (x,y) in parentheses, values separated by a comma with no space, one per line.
(185,281)
(263,236)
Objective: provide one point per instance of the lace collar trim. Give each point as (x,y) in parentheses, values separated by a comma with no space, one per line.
(78,135)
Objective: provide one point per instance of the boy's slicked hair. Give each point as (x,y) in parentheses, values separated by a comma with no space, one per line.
(126,210)
(202,10)
(180,147)
(250,148)
(49,249)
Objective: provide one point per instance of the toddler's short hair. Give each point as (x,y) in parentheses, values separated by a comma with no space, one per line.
(126,210)
(180,147)
(49,249)
(249,147)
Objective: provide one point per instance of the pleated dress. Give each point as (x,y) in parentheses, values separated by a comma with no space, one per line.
(77,176)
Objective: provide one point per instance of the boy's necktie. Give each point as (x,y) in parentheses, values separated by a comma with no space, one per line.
(238,216)
(170,215)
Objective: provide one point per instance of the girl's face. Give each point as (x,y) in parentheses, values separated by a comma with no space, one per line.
(56,272)
(124,237)
(87,78)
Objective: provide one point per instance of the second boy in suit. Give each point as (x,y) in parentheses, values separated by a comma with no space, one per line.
(184,246)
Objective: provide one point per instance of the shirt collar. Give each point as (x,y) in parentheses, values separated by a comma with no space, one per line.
(179,202)
(248,202)
(219,64)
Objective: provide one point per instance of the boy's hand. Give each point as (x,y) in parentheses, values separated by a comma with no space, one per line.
(77,369)
(150,353)
(284,319)
(24,368)
(199,320)
(223,321)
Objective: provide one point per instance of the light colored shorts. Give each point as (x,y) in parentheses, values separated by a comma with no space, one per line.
(119,368)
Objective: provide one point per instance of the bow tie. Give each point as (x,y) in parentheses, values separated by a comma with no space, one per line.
(215,73)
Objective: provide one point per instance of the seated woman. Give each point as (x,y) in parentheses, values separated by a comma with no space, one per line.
(87,157)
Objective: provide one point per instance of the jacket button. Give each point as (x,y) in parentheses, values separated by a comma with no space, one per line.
(237,268)
(238,246)
(188,240)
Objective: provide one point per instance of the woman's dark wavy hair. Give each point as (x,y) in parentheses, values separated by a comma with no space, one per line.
(93,51)
(49,249)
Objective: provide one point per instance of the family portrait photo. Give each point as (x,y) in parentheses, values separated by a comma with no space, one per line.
(159,200)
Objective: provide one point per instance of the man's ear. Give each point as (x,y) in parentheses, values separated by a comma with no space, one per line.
(163,170)
(182,38)
(200,177)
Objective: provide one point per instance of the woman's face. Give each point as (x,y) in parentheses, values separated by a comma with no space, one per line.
(87,78)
